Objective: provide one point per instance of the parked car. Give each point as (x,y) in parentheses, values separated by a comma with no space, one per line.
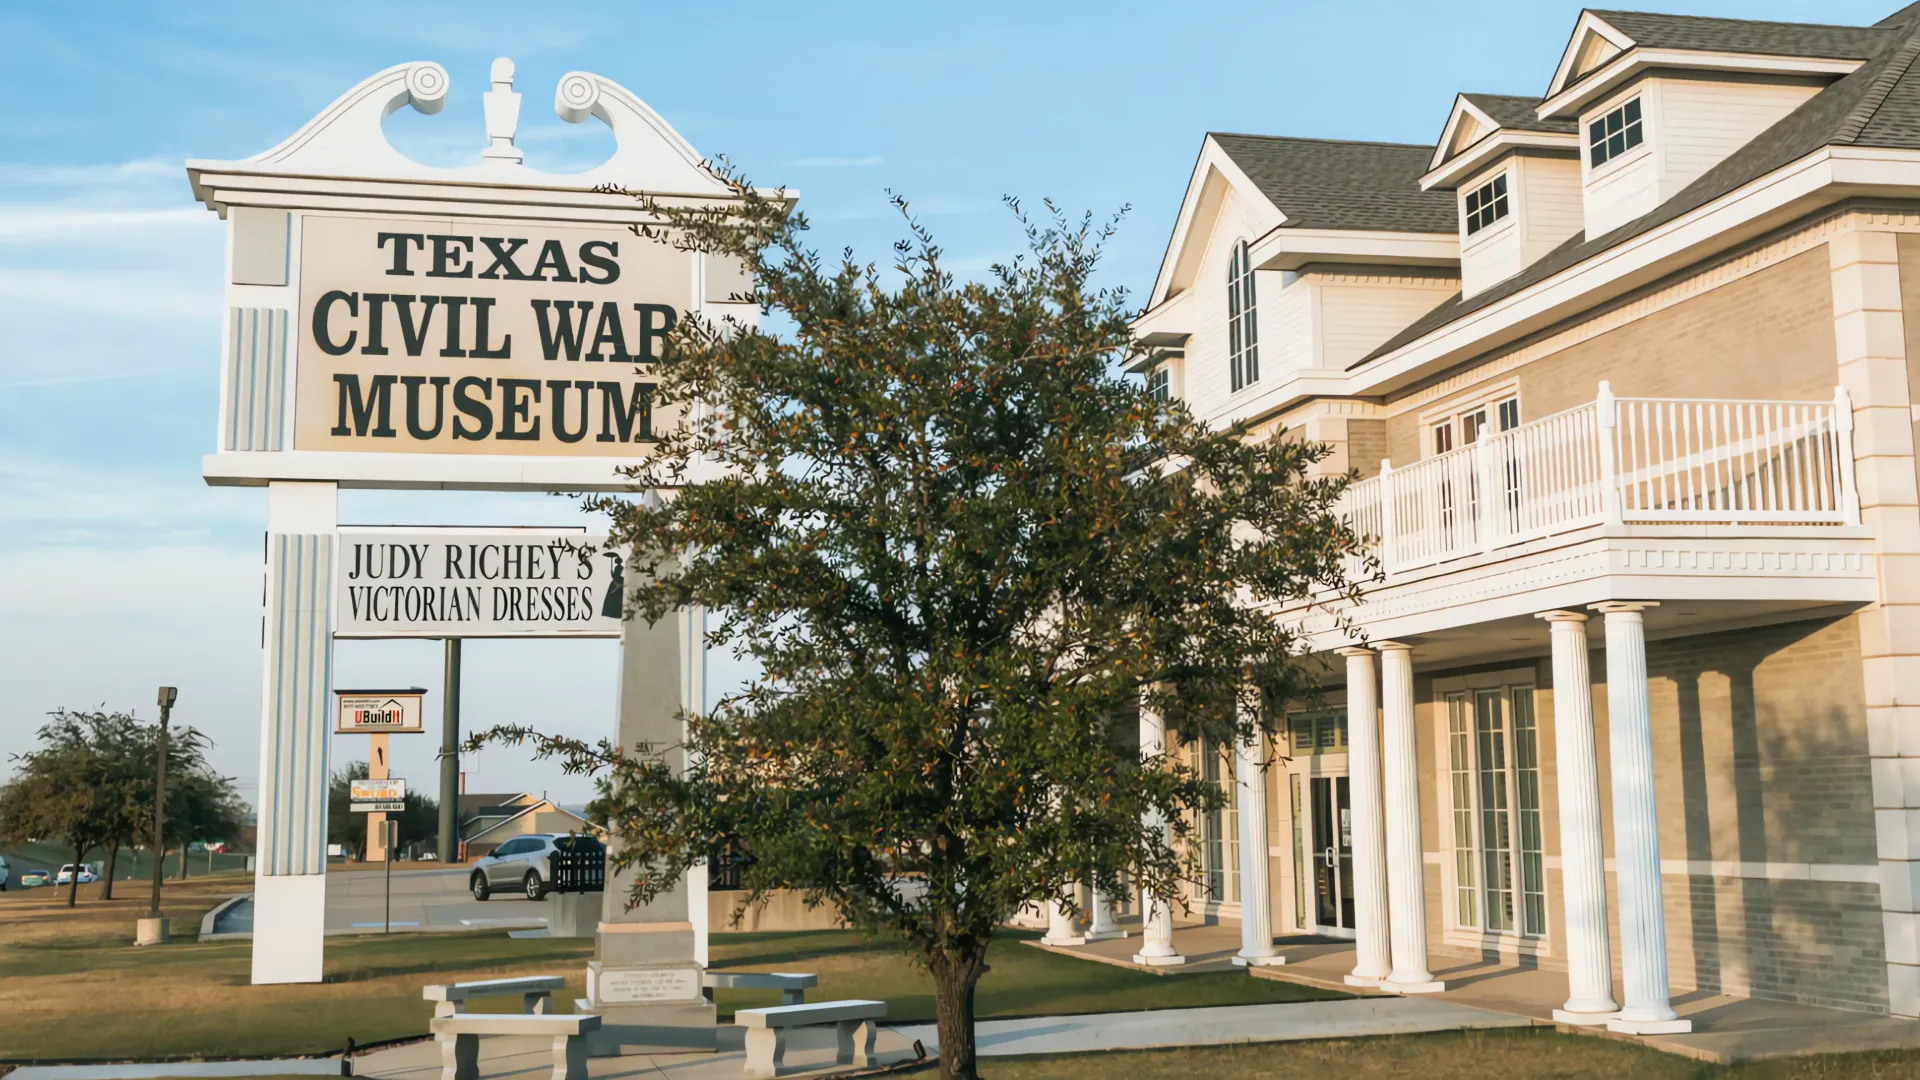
(5,873)
(65,876)
(520,864)
(33,878)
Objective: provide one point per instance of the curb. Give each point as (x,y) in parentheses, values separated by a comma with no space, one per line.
(159,1070)
(212,918)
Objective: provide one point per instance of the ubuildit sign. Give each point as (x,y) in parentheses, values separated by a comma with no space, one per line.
(460,582)
(379,712)
(467,337)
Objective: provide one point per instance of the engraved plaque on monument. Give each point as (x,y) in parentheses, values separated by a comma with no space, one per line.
(632,986)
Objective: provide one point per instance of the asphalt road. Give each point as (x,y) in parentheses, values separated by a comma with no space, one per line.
(422,901)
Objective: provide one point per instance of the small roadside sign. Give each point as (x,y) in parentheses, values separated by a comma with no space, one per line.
(376,796)
(373,712)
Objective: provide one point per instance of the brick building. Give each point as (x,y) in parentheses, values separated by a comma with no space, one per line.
(1627,371)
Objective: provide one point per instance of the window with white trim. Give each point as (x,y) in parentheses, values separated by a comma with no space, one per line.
(1159,386)
(1218,831)
(1243,329)
(1614,134)
(1493,769)
(1487,204)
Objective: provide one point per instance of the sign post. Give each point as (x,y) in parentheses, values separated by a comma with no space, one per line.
(379,713)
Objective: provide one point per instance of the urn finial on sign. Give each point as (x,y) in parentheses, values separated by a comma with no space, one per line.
(503,115)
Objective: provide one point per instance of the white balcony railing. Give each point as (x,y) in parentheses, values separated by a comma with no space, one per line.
(1615,461)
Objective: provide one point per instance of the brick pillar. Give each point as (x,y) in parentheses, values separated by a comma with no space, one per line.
(1869,336)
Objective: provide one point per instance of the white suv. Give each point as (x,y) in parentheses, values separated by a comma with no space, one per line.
(5,872)
(520,864)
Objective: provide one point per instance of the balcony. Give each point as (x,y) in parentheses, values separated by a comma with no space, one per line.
(1743,509)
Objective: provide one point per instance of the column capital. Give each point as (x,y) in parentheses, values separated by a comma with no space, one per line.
(1562,616)
(1621,607)
(1392,646)
(1355,650)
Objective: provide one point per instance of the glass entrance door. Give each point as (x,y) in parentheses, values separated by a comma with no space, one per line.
(1332,817)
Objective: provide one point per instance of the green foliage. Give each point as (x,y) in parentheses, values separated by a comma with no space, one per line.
(962,550)
(90,784)
(419,822)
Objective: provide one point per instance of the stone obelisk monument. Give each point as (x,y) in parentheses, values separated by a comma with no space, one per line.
(645,978)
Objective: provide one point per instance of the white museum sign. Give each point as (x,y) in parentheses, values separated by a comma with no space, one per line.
(461,582)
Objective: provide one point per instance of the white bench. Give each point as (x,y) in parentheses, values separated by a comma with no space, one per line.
(855,1022)
(460,1033)
(793,985)
(536,993)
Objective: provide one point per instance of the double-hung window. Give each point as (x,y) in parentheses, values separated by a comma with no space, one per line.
(1614,134)
(1243,329)
(1493,772)
(1159,386)
(1487,204)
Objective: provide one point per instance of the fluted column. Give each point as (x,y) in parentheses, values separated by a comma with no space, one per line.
(1256,866)
(1060,926)
(1583,878)
(1406,865)
(1156,913)
(1371,962)
(1104,927)
(1636,829)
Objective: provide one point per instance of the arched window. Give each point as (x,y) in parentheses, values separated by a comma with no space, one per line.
(1243,331)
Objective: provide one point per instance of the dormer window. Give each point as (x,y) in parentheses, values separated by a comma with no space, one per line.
(1486,204)
(1614,134)
(1159,386)
(1243,331)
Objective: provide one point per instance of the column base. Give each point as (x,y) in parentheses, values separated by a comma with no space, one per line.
(1061,943)
(289,928)
(1362,980)
(1174,960)
(1106,935)
(1676,1026)
(1431,986)
(1582,1019)
(1258,961)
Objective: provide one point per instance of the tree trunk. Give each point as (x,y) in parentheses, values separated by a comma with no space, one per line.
(113,856)
(73,883)
(954,977)
(183,862)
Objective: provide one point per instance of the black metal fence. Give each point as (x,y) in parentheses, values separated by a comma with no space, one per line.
(580,866)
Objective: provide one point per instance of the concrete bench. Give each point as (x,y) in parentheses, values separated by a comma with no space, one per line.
(460,1033)
(536,993)
(855,1022)
(793,985)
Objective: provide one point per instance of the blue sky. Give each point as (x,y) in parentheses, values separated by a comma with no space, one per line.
(120,570)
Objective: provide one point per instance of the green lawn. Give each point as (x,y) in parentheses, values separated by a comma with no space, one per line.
(1524,1054)
(1022,981)
(57,967)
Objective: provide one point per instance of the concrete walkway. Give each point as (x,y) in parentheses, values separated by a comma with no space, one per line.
(1221,1025)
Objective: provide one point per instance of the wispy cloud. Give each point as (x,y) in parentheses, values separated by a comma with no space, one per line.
(866,162)
(154,295)
(69,380)
(32,222)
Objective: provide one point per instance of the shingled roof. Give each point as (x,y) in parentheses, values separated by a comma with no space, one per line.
(1877,105)
(1515,113)
(1336,184)
(1650,30)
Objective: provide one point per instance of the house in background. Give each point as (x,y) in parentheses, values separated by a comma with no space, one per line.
(1630,372)
(487,821)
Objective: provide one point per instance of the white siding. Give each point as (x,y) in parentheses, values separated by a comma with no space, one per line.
(1690,125)
(1286,324)
(1702,122)
(1205,374)
(1550,211)
(1360,311)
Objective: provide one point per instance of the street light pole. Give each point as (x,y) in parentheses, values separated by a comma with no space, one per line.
(153,928)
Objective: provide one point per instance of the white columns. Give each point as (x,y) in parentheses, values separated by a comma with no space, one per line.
(1636,833)
(1256,866)
(1105,927)
(1371,963)
(296,702)
(1156,916)
(1060,926)
(1583,879)
(1406,866)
